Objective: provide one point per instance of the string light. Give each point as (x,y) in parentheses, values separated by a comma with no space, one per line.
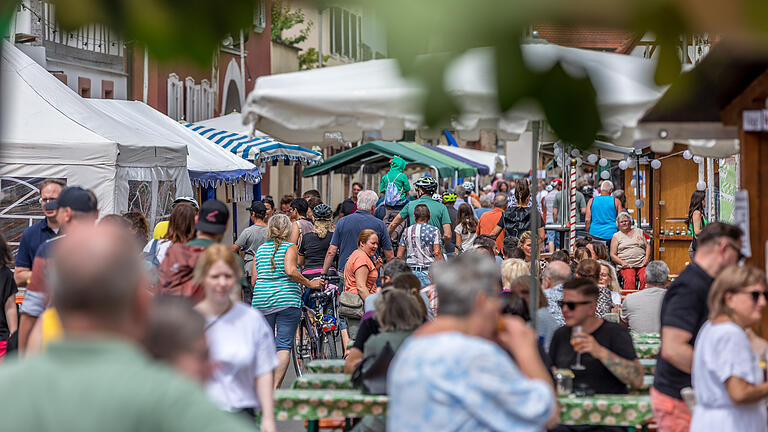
(53,28)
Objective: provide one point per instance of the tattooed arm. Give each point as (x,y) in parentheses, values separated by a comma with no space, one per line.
(630,372)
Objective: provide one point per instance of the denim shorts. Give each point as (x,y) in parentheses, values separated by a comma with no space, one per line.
(554,237)
(286,321)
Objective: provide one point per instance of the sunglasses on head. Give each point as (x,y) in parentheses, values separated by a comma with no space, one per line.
(737,249)
(571,304)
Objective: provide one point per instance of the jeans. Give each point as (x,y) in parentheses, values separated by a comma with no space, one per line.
(629,277)
(423,276)
(286,321)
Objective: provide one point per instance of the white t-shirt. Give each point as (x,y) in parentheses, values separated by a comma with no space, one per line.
(722,351)
(162,248)
(242,347)
(466,239)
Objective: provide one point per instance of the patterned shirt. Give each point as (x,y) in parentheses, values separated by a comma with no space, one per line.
(554,295)
(274,289)
(454,382)
(419,241)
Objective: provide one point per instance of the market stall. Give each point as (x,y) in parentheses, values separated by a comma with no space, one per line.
(51,132)
(214,172)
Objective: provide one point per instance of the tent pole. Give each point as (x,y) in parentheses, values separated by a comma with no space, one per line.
(534,213)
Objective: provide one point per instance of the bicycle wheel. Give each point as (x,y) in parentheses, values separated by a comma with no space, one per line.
(303,345)
(330,342)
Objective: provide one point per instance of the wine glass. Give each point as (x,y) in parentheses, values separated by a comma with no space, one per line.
(577,365)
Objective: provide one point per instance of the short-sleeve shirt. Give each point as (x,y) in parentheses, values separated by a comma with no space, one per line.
(37,297)
(249,240)
(349,227)
(458,382)
(7,289)
(581,203)
(684,307)
(274,289)
(596,376)
(356,260)
(641,310)
(723,351)
(419,242)
(516,221)
(32,238)
(488,222)
(242,346)
(313,249)
(631,247)
(438,214)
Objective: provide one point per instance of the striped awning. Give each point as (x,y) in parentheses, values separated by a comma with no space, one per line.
(257,149)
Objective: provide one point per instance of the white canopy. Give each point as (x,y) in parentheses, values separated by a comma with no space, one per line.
(373,96)
(496,163)
(50,131)
(208,164)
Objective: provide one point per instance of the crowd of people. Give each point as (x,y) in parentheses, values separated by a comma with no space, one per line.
(138,324)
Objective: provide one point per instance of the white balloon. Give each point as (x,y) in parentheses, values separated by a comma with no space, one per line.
(698,159)
(605,175)
(622,165)
(687,154)
(639,204)
(575,153)
(579,161)
(633,183)
(603,161)
(655,164)
(630,163)
(701,186)
(592,158)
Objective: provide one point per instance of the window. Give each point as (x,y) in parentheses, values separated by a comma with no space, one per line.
(345,33)
(107,89)
(259,16)
(175,97)
(151,198)
(207,97)
(19,206)
(84,87)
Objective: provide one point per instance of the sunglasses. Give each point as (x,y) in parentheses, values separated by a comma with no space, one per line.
(46,200)
(571,305)
(756,295)
(737,249)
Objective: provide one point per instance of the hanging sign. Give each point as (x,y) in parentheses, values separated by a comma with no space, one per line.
(741,219)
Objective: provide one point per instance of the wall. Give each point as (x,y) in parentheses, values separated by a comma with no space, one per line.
(283,58)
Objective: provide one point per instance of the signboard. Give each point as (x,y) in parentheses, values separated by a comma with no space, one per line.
(741,219)
(728,186)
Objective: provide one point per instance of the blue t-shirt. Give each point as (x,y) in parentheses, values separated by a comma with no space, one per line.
(349,227)
(31,240)
(604,214)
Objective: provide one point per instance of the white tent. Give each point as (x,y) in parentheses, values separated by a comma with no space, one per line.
(208,164)
(373,96)
(496,163)
(50,131)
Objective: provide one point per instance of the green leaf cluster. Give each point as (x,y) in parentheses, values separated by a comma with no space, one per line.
(283,18)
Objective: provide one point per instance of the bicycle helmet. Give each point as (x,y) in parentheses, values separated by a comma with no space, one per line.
(322,212)
(188,200)
(468,186)
(436,197)
(449,197)
(427,184)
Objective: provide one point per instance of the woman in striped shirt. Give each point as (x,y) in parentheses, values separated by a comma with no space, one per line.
(277,293)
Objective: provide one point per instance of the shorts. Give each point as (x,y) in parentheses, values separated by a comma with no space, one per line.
(423,276)
(286,321)
(554,237)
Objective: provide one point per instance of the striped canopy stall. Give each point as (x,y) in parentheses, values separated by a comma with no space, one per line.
(258,148)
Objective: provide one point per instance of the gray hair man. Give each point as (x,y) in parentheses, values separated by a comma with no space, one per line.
(101,376)
(641,310)
(423,374)
(552,279)
(600,218)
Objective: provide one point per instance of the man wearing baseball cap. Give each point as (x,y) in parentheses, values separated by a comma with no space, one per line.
(75,207)
(252,237)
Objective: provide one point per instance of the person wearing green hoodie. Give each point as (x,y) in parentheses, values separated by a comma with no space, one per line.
(397,176)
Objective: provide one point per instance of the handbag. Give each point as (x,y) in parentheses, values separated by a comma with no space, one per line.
(351,305)
(371,374)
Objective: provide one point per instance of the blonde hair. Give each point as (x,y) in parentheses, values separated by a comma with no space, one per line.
(211,256)
(278,229)
(614,284)
(731,280)
(511,269)
(523,237)
(322,227)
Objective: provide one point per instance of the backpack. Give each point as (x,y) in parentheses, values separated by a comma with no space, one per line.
(392,195)
(517,220)
(151,262)
(389,216)
(175,273)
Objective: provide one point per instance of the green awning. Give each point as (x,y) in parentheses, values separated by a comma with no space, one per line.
(378,153)
(463,169)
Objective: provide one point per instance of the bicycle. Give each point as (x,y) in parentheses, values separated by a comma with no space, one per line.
(318,332)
